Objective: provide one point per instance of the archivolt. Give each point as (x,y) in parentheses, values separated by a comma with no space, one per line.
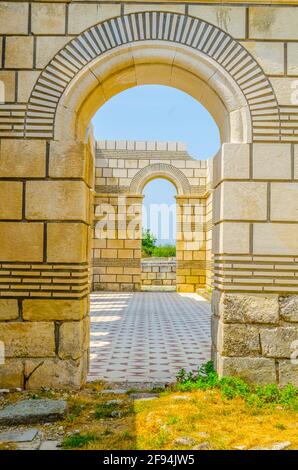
(160,170)
(181,29)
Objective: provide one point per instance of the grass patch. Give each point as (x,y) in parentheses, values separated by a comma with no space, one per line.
(104,410)
(78,441)
(233,387)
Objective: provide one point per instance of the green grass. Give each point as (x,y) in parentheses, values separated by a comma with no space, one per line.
(233,387)
(165,251)
(104,410)
(78,440)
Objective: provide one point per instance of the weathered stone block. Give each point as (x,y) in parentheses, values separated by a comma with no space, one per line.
(8,79)
(289,308)
(11,373)
(26,81)
(50,309)
(47,47)
(272,161)
(275,239)
(28,339)
(19,52)
(22,158)
(73,339)
(21,241)
(273,22)
(13,18)
(66,243)
(48,18)
(238,340)
(67,160)
(229,18)
(277,342)
(255,370)
(11,200)
(249,308)
(33,411)
(55,373)
(9,309)
(231,237)
(284,201)
(292,49)
(65,200)
(288,373)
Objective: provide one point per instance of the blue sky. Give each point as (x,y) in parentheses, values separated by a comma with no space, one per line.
(155,112)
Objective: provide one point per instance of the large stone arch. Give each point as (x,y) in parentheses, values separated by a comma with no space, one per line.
(210,41)
(160,170)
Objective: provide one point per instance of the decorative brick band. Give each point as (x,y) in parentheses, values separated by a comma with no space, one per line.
(246,273)
(44,280)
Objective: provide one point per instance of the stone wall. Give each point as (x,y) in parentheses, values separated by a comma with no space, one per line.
(122,169)
(158,273)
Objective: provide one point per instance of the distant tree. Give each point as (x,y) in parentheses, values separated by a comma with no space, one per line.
(148,242)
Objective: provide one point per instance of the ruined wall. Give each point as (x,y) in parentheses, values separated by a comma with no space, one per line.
(158,273)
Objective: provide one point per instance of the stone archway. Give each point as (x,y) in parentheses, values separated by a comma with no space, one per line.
(47,169)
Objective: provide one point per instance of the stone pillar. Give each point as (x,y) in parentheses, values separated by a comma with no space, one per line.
(255,245)
(190,244)
(117,242)
(44,261)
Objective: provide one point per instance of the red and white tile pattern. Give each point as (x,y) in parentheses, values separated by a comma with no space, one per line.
(147,336)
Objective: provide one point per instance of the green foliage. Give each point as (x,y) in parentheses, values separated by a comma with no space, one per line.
(164,251)
(148,242)
(104,410)
(233,387)
(77,440)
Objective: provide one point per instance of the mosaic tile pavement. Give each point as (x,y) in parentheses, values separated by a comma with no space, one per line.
(147,336)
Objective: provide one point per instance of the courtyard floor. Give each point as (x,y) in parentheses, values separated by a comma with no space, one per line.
(147,336)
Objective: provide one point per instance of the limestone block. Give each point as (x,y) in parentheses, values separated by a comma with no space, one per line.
(277,342)
(26,81)
(9,309)
(284,201)
(238,340)
(11,374)
(23,339)
(8,78)
(288,373)
(270,55)
(48,18)
(249,308)
(292,61)
(289,308)
(285,89)
(67,160)
(273,23)
(229,18)
(254,370)
(21,241)
(67,243)
(55,373)
(47,47)
(272,161)
(51,309)
(234,162)
(275,239)
(19,52)
(71,340)
(14,18)
(65,200)
(11,199)
(231,237)
(243,201)
(82,16)
(22,158)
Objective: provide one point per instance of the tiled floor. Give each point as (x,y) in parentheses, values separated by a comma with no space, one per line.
(147,336)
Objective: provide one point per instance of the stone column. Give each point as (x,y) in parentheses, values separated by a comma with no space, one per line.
(190,244)
(46,189)
(255,245)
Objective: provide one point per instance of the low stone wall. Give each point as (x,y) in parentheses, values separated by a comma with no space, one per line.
(158,272)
